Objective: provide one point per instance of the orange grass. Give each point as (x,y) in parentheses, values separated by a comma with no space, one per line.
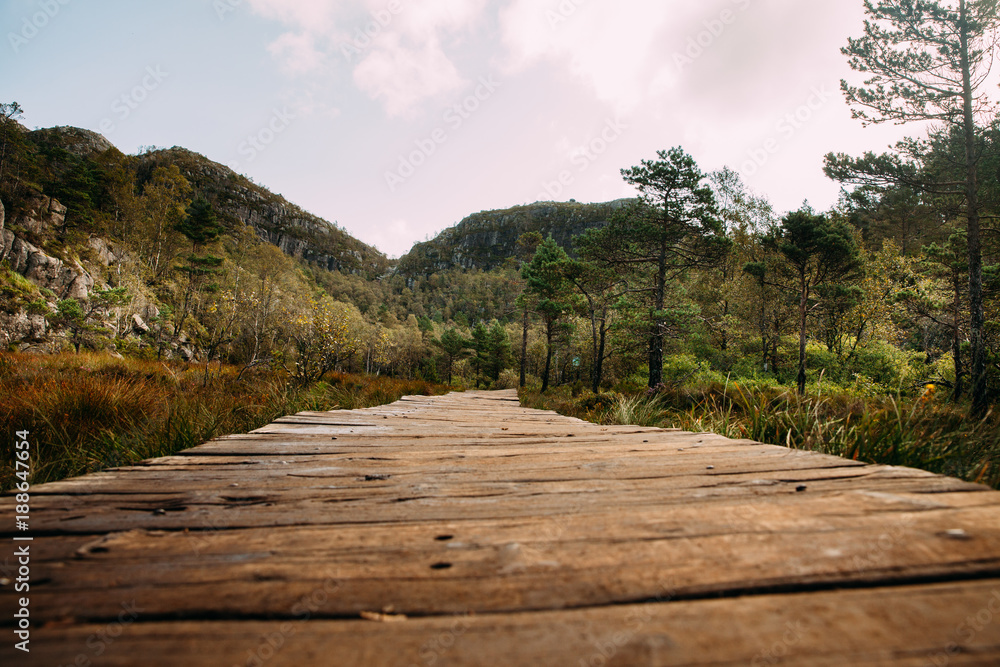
(91,412)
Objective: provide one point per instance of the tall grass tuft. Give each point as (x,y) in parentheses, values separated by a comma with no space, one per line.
(91,412)
(635,410)
(924,433)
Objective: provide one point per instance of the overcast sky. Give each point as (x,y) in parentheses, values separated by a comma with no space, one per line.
(397,118)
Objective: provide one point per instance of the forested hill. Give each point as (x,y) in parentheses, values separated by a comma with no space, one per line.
(485,240)
(76,167)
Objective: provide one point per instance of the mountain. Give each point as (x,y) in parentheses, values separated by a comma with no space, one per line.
(82,223)
(296,232)
(87,228)
(487,239)
(237,200)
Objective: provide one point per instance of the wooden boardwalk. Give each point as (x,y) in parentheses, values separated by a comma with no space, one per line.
(466,530)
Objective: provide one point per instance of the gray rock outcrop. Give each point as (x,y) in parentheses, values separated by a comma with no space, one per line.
(68,280)
(21,327)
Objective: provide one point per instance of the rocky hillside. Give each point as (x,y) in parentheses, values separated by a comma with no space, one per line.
(298,233)
(32,279)
(93,252)
(485,240)
(237,200)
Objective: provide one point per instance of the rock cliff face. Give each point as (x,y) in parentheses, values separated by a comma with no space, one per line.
(67,279)
(32,280)
(79,142)
(486,240)
(49,253)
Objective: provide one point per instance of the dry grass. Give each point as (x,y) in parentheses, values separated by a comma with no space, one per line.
(91,412)
(925,433)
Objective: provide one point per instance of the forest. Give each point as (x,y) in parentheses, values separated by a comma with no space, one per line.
(871,330)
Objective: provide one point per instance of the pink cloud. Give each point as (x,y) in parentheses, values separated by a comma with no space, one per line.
(297,53)
(397,48)
(401,76)
(613,48)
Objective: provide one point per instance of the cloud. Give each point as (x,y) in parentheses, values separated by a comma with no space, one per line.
(400,51)
(401,76)
(431,17)
(613,48)
(314,14)
(297,52)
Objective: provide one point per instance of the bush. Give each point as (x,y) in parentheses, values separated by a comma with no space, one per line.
(679,368)
(509,379)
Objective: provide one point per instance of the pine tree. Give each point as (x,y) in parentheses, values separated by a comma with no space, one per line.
(818,252)
(498,350)
(549,293)
(672,228)
(200,225)
(454,346)
(928,61)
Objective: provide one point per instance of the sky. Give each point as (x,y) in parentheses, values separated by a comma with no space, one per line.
(398,118)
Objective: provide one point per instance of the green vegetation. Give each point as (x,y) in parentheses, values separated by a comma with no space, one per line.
(924,433)
(90,412)
(929,61)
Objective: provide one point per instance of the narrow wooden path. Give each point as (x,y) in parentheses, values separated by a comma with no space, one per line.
(466,530)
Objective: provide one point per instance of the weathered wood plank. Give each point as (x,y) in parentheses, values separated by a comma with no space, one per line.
(544,528)
(937,624)
(507,566)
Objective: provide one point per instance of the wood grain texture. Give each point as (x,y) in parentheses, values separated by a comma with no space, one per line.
(467,530)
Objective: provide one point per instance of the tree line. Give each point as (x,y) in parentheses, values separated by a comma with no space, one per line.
(913,223)
(893,287)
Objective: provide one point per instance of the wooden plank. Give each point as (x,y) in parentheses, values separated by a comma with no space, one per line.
(535,524)
(507,566)
(938,624)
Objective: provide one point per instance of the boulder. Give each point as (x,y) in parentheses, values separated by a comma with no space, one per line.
(42,216)
(21,327)
(105,250)
(67,281)
(139,326)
